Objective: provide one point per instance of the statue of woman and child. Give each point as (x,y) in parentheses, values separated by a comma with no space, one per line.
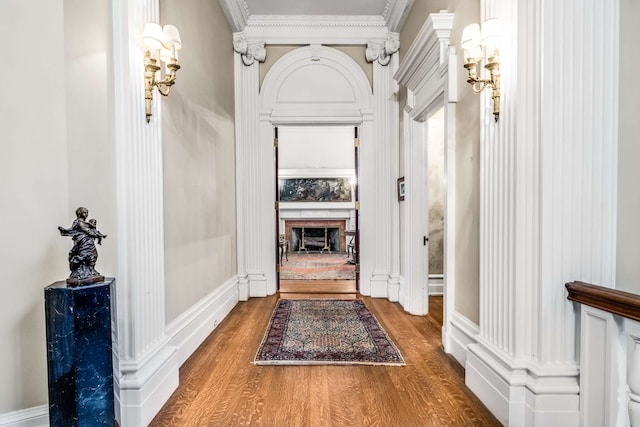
(83,255)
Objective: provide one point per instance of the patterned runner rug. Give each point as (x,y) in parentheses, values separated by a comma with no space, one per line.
(325,332)
(317,266)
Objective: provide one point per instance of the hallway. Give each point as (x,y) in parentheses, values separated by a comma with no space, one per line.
(220,387)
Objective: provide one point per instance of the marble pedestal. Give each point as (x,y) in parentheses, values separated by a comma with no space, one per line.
(79,358)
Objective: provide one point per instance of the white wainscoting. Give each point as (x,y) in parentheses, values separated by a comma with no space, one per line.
(608,369)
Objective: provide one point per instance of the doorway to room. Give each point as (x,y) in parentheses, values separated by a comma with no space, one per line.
(317,209)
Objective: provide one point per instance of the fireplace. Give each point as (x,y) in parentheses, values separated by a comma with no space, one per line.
(316,235)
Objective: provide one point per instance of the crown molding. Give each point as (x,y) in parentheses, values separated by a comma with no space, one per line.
(237,14)
(318,29)
(430,45)
(395,13)
(316,21)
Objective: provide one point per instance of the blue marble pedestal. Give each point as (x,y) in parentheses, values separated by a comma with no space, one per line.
(79,354)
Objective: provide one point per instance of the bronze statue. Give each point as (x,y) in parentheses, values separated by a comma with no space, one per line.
(83,255)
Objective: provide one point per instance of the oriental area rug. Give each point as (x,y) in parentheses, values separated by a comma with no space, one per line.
(326,332)
(317,266)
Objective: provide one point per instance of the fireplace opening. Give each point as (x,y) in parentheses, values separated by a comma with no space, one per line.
(315,239)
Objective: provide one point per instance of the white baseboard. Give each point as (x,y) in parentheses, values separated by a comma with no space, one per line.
(38,416)
(379,286)
(141,393)
(193,326)
(436,284)
(458,336)
(519,397)
(257,285)
(492,390)
(393,293)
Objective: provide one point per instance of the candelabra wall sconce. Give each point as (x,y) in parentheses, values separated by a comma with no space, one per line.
(476,44)
(162,46)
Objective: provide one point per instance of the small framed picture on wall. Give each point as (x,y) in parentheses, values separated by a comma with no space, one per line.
(401,189)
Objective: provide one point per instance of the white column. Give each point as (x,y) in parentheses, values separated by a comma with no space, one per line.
(548,197)
(146,366)
(382,174)
(366,224)
(251,192)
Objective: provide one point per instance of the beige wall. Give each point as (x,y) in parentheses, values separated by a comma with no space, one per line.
(199,157)
(467,152)
(467,174)
(628,265)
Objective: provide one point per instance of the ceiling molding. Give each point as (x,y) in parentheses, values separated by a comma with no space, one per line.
(396,12)
(429,47)
(316,29)
(237,14)
(325,30)
(316,20)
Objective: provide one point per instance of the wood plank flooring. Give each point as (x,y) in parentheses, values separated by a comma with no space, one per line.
(220,387)
(318,286)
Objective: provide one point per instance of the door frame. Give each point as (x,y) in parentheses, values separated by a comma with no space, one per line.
(428,89)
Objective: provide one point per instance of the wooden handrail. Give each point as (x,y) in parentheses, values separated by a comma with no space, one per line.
(613,301)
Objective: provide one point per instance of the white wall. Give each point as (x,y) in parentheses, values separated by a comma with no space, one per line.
(628,267)
(90,148)
(33,190)
(315,147)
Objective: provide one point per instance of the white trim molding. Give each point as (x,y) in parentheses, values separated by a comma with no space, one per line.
(38,416)
(430,82)
(193,326)
(436,284)
(317,29)
(284,103)
(460,332)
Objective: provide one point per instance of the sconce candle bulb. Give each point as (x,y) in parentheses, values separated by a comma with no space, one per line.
(473,41)
(162,46)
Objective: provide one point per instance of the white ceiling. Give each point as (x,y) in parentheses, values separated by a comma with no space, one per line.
(317,7)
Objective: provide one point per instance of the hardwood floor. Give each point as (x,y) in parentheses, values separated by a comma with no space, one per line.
(318,286)
(220,387)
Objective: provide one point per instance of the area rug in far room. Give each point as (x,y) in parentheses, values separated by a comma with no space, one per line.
(326,332)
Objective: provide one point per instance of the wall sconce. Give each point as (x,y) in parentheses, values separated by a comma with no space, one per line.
(162,45)
(473,42)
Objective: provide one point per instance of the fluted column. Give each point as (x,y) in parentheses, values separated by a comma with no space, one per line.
(147,368)
(379,204)
(253,237)
(548,200)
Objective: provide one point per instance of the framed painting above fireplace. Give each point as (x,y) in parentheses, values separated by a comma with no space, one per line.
(315,190)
